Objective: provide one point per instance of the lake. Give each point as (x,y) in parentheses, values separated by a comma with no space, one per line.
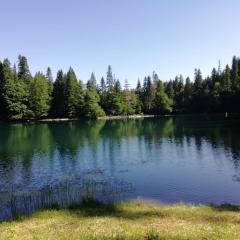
(169,159)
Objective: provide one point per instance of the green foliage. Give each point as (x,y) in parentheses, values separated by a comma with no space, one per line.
(92,109)
(73,95)
(58,96)
(114,103)
(235,75)
(162,103)
(23,69)
(24,97)
(13,94)
(131,103)
(148,95)
(39,97)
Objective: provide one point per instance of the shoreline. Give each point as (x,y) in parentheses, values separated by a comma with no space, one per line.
(135,116)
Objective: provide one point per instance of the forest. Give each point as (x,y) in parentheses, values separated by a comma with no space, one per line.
(24,96)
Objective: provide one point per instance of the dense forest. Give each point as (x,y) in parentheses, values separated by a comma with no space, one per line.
(23,96)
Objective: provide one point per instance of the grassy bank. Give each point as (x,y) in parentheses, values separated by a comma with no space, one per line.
(132,220)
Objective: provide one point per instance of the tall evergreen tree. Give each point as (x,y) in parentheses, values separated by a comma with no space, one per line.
(139,89)
(169,89)
(92,81)
(227,79)
(148,96)
(162,103)
(40,97)
(235,74)
(139,97)
(23,69)
(49,76)
(187,94)
(13,94)
(102,91)
(110,80)
(197,86)
(58,96)
(117,87)
(73,95)
(92,109)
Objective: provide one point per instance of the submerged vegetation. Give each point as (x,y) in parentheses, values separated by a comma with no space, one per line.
(130,220)
(23,96)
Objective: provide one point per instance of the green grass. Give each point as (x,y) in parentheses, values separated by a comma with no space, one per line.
(129,220)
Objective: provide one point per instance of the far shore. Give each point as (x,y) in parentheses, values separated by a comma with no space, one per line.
(135,116)
(128,116)
(138,116)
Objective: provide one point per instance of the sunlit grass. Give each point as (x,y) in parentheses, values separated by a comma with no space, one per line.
(129,220)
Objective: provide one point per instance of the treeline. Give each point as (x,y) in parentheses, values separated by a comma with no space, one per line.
(23,96)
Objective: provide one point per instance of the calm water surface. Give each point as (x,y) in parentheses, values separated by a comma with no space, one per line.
(166,159)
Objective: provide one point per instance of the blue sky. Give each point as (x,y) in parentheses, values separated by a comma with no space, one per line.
(134,36)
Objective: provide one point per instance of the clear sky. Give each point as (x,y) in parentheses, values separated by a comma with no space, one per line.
(134,36)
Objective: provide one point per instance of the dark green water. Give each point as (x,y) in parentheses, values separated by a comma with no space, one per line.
(167,159)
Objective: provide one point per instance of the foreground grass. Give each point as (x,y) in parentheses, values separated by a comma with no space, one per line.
(132,220)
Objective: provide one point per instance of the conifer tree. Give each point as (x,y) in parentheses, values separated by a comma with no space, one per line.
(110,80)
(13,94)
(92,109)
(40,97)
(187,94)
(92,81)
(148,96)
(235,74)
(49,76)
(162,103)
(23,69)
(102,91)
(58,96)
(227,79)
(73,95)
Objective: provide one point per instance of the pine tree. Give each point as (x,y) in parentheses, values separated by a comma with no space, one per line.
(162,103)
(73,95)
(13,94)
(102,91)
(148,96)
(139,89)
(197,86)
(214,78)
(227,79)
(115,104)
(92,109)
(178,98)
(58,96)
(110,80)
(92,81)
(187,94)
(117,87)
(113,101)
(234,74)
(169,89)
(49,76)
(40,97)
(23,69)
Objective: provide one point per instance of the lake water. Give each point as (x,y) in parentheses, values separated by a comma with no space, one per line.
(167,159)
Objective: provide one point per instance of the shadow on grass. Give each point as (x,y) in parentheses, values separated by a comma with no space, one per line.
(225,207)
(93,208)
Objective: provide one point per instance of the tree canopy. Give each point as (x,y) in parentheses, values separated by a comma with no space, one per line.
(25,97)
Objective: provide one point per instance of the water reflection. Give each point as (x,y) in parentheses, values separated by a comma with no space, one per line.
(174,153)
